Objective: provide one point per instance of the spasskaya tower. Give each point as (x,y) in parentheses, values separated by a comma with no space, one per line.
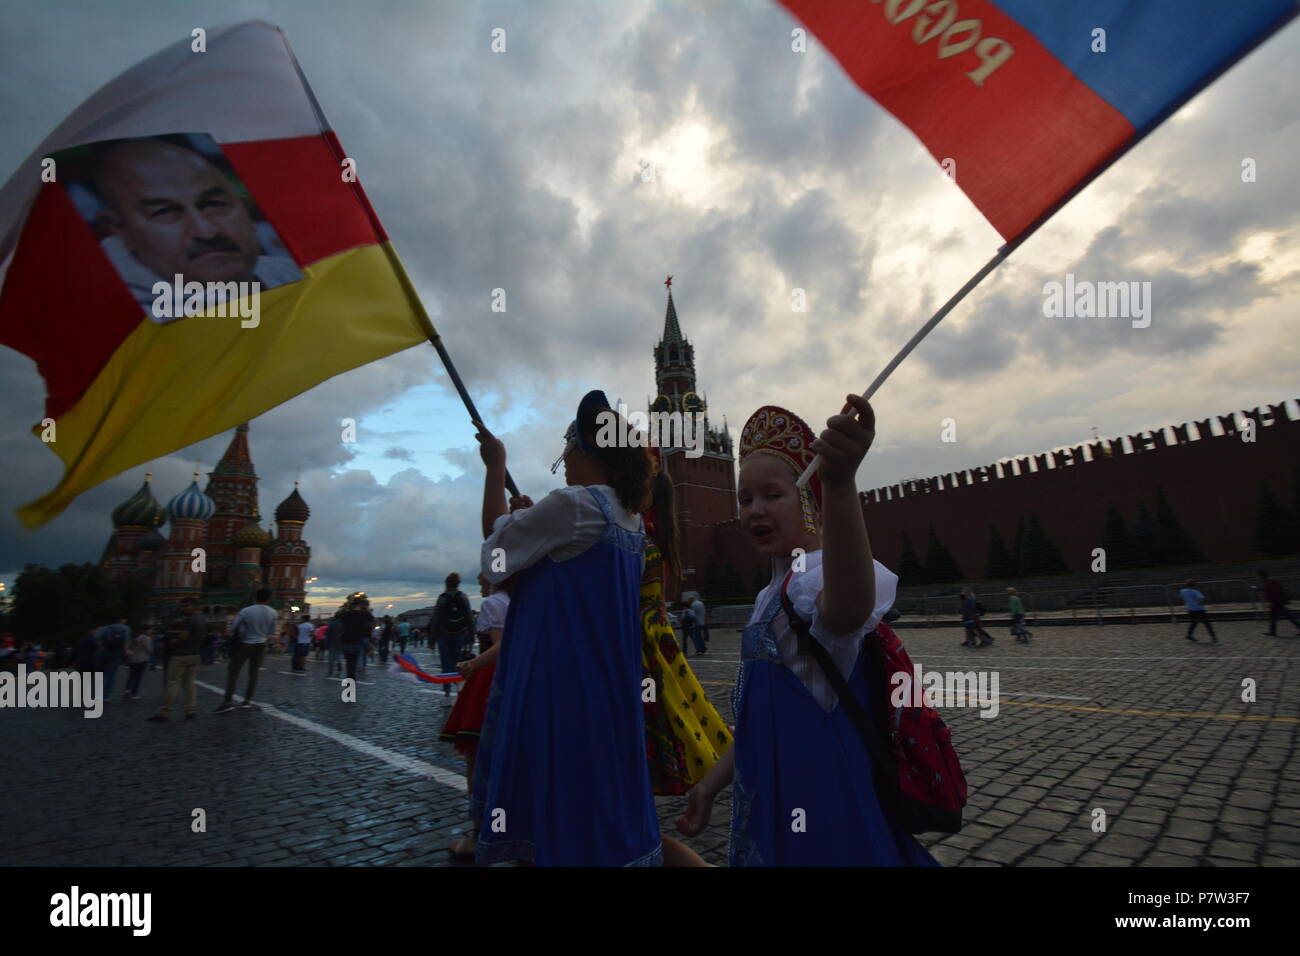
(704,486)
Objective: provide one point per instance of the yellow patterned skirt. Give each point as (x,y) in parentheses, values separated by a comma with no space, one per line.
(684,734)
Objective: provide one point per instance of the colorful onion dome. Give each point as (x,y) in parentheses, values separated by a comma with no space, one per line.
(293,508)
(151,540)
(251,536)
(191,504)
(141,509)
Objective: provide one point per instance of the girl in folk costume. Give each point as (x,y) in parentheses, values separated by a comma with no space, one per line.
(804,791)
(465,721)
(683,733)
(562,777)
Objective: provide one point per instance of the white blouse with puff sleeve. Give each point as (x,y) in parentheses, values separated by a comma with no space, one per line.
(805,587)
(561,526)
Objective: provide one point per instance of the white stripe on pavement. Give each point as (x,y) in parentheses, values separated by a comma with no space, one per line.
(401,761)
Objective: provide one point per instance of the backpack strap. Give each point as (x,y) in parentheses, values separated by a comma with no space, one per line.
(876,744)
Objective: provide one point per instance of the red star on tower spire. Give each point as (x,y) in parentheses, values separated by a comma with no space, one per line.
(669,283)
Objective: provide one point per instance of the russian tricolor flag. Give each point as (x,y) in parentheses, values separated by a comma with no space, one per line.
(1030,99)
(214,164)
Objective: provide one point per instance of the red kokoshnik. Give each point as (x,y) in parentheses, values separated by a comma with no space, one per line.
(775,431)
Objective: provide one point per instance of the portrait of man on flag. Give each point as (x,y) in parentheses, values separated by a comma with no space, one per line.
(171,209)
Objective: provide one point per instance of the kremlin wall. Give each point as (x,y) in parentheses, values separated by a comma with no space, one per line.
(1209,471)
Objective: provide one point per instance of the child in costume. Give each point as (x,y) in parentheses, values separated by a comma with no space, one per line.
(804,790)
(683,732)
(465,722)
(562,777)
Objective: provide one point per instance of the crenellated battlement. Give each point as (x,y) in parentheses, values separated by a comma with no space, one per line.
(1271,423)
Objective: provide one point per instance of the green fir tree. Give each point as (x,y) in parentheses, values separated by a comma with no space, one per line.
(940,566)
(1144,537)
(1038,555)
(1116,541)
(1173,544)
(1001,564)
(1275,529)
(910,570)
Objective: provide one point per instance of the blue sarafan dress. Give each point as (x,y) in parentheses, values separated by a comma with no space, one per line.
(804,790)
(562,777)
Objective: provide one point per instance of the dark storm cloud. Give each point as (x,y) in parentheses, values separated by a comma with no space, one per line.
(519,171)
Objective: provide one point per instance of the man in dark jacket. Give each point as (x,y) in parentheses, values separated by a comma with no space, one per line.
(451,624)
(357,622)
(1276,598)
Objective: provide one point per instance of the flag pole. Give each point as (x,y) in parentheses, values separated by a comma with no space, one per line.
(436,341)
(1285,18)
(407,286)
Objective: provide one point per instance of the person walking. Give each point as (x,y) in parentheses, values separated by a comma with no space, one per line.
(451,623)
(386,635)
(138,649)
(701,626)
(465,722)
(1277,598)
(403,635)
(334,644)
(356,623)
(254,626)
(688,630)
(302,643)
(971,610)
(1194,600)
(112,640)
(209,650)
(183,667)
(321,633)
(1017,611)
(86,658)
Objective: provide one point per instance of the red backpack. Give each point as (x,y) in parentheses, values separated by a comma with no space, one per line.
(918,775)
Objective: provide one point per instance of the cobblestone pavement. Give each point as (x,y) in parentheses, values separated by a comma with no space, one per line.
(1132,720)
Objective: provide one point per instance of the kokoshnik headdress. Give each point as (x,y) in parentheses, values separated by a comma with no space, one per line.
(582,430)
(774,431)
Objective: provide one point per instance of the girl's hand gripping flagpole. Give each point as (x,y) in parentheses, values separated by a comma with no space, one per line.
(913,343)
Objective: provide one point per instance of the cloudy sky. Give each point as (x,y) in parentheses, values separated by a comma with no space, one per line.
(523,171)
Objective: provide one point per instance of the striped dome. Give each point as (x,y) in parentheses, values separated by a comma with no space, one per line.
(141,509)
(191,504)
(251,536)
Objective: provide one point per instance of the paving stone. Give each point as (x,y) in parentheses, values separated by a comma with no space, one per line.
(1233,851)
(1103,859)
(1178,792)
(1002,851)
(1065,852)
(1145,814)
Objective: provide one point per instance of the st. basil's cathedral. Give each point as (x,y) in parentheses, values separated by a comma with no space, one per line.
(238,555)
